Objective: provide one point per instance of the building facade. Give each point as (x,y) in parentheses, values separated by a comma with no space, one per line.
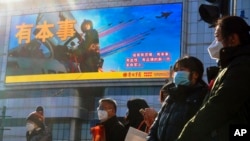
(70,109)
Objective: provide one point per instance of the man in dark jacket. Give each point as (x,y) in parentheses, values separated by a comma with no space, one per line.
(114,130)
(228,103)
(35,128)
(184,98)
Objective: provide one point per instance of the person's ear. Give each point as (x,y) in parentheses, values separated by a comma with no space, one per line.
(234,40)
(194,77)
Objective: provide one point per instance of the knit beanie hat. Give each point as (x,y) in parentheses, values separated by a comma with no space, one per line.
(36,118)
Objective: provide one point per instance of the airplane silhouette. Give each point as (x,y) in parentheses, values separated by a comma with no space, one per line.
(164,15)
(242,14)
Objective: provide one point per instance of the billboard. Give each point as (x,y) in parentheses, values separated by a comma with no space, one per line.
(132,42)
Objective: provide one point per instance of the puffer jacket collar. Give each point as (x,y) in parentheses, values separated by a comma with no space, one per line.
(227,54)
(181,92)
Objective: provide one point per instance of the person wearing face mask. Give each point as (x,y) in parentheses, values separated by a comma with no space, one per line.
(35,130)
(214,49)
(214,52)
(184,97)
(109,128)
(228,103)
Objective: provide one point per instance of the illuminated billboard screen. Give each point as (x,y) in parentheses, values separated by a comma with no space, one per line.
(94,44)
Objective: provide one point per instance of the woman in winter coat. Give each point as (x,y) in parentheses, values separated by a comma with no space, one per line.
(184,98)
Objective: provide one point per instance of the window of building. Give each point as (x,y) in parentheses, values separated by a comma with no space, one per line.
(61,131)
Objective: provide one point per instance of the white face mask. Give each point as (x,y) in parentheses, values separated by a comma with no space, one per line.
(214,49)
(30,127)
(102,115)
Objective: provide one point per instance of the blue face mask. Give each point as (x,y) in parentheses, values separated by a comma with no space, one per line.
(181,78)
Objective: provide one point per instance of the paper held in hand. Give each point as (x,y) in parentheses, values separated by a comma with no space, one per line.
(135,135)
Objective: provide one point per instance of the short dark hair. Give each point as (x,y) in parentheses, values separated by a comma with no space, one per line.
(110,101)
(39,108)
(134,105)
(192,63)
(234,24)
(85,21)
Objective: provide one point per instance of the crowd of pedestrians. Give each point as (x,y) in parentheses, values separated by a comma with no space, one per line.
(191,109)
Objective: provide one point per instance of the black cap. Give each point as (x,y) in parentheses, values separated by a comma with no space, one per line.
(39,108)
